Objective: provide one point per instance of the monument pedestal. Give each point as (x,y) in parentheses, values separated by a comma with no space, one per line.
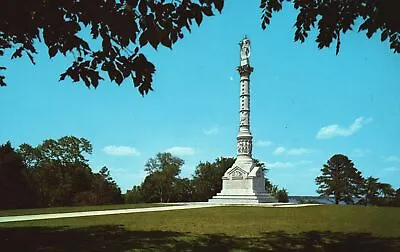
(243,183)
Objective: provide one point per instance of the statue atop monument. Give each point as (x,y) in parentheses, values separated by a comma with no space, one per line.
(244,51)
(244,48)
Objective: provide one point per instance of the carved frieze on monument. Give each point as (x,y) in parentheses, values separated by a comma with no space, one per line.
(246,69)
(244,118)
(244,147)
(237,175)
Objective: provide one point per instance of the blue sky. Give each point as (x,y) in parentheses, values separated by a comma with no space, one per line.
(307,104)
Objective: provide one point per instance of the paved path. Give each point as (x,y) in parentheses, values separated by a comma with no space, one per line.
(95,213)
(136,210)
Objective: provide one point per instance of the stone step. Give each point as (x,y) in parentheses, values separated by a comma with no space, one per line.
(240,199)
(241,196)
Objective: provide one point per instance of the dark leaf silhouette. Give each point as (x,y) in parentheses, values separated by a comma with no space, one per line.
(121,25)
(64,26)
(335,17)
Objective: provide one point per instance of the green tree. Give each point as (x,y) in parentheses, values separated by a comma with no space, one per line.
(397,194)
(386,193)
(282,195)
(207,178)
(386,190)
(334,18)
(371,190)
(101,35)
(163,171)
(379,194)
(14,187)
(152,188)
(396,201)
(105,189)
(134,195)
(271,188)
(340,179)
(58,169)
(183,190)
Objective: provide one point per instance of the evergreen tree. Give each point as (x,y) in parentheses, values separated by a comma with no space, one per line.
(340,179)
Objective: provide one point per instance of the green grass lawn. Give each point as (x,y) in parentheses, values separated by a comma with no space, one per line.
(14,212)
(321,228)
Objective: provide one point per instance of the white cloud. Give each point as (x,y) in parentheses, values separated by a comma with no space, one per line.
(280,150)
(291,152)
(211,131)
(121,150)
(287,164)
(263,143)
(392,159)
(298,151)
(334,130)
(391,169)
(357,152)
(183,151)
(279,165)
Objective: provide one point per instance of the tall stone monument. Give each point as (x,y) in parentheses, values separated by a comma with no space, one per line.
(244,182)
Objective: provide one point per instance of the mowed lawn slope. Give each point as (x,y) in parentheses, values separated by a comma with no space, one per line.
(320,228)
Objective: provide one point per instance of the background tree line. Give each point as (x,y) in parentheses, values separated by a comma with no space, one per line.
(163,183)
(345,183)
(54,173)
(57,173)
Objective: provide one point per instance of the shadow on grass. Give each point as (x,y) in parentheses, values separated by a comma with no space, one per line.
(116,238)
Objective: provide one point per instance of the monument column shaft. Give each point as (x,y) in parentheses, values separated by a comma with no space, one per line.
(244,104)
(244,138)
